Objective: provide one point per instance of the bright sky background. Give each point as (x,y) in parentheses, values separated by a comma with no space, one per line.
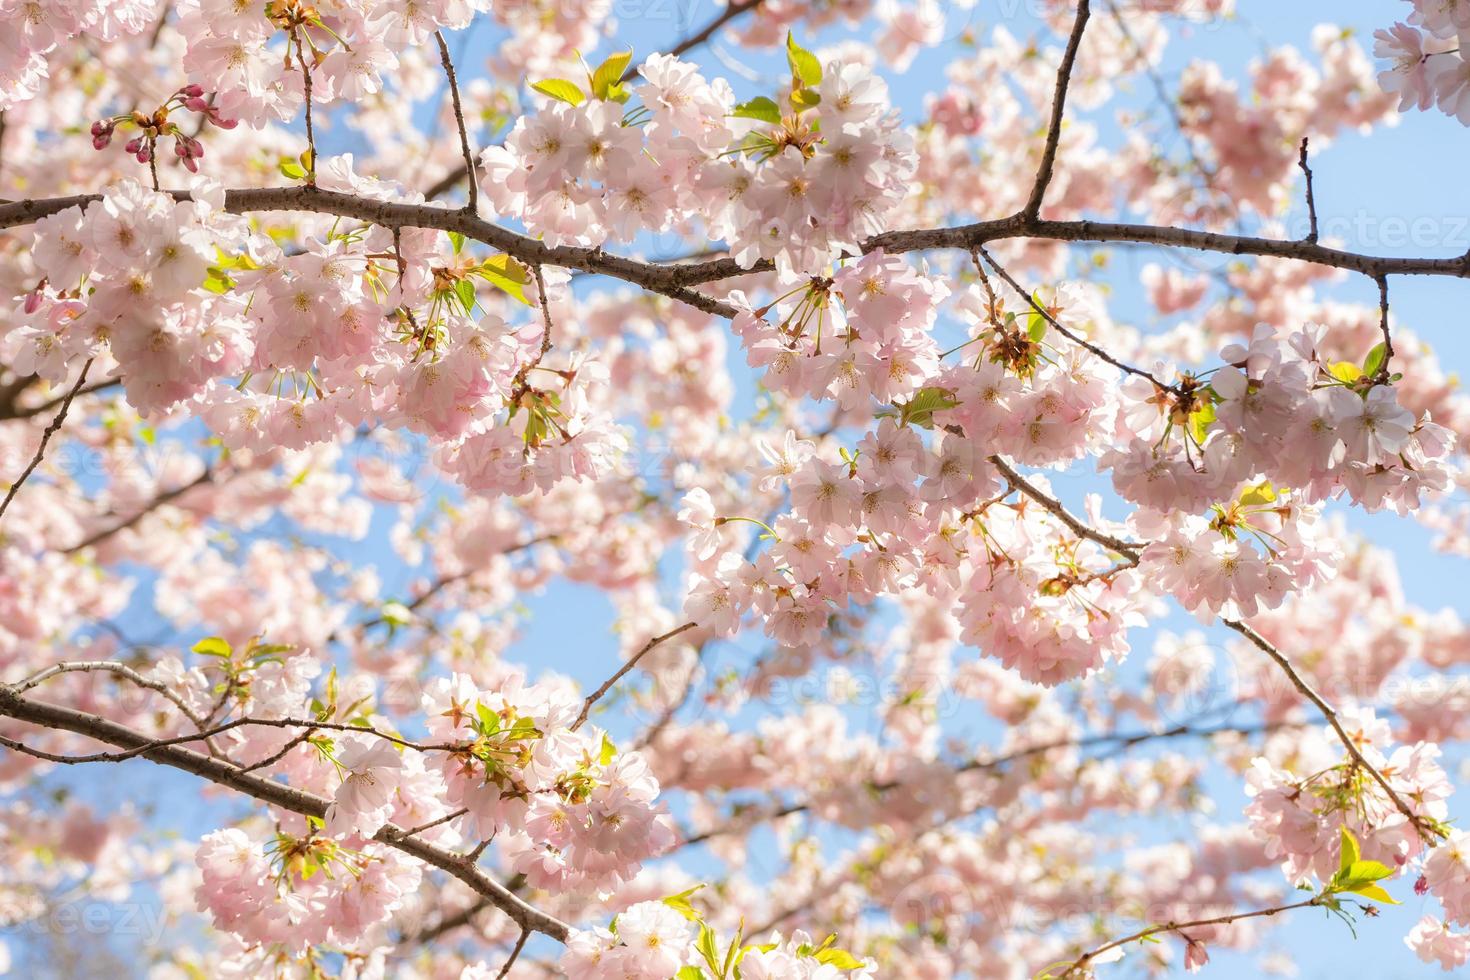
(1363,185)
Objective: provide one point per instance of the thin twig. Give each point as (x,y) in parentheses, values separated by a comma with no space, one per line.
(1311,238)
(464,136)
(1082,961)
(607,685)
(1426,830)
(1383,369)
(514,955)
(1032,210)
(1063,330)
(310,135)
(51,430)
(168,496)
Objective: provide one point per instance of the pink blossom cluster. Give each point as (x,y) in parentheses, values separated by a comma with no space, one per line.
(792,184)
(1427,66)
(255,57)
(1301,816)
(656,940)
(569,810)
(298,891)
(35,28)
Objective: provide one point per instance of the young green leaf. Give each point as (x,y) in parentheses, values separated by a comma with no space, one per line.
(505,273)
(561,90)
(1373,363)
(212,646)
(919,410)
(760,108)
(1349,851)
(465,290)
(805,98)
(805,67)
(609,73)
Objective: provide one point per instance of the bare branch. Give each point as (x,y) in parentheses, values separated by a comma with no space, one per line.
(1032,210)
(1077,967)
(51,430)
(1311,238)
(464,136)
(607,685)
(1128,549)
(1383,369)
(168,496)
(49,404)
(514,955)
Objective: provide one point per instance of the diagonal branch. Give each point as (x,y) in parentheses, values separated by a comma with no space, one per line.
(15,705)
(51,430)
(1426,830)
(607,685)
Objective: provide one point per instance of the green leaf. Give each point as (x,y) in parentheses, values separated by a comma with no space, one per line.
(690,973)
(1345,371)
(489,720)
(291,170)
(709,947)
(561,90)
(1373,363)
(680,903)
(456,241)
(609,750)
(760,108)
(1376,893)
(1036,327)
(1200,420)
(805,98)
(465,290)
(605,79)
(804,65)
(212,646)
(506,274)
(1359,874)
(919,410)
(1350,851)
(216,281)
(1259,495)
(839,958)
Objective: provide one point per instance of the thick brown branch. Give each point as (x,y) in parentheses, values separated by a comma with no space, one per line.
(675,279)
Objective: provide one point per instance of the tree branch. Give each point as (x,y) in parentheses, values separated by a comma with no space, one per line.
(607,685)
(464,136)
(1077,966)
(1032,210)
(14,705)
(51,430)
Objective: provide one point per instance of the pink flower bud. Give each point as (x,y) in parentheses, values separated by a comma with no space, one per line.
(192,90)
